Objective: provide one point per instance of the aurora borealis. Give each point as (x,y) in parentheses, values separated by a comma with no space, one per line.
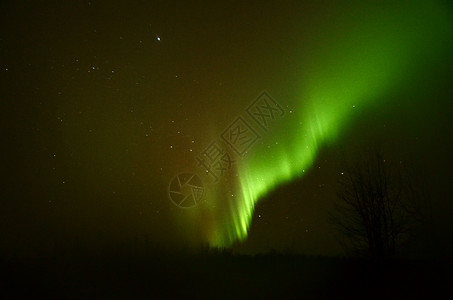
(376,53)
(105,103)
(200,149)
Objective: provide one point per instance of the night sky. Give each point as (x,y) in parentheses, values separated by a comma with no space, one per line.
(104,102)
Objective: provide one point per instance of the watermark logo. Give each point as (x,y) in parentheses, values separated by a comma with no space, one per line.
(264,110)
(240,136)
(186,190)
(215,161)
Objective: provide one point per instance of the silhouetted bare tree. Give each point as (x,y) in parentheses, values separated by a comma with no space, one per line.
(374,207)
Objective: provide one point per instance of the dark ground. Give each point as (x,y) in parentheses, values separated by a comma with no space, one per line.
(214,274)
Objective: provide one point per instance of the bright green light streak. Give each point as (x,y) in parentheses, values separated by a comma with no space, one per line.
(361,65)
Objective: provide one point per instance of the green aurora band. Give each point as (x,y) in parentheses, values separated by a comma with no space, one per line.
(365,60)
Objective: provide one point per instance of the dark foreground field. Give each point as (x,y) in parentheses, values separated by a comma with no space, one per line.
(222,275)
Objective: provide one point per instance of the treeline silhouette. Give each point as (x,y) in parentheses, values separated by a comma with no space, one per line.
(144,270)
(380,208)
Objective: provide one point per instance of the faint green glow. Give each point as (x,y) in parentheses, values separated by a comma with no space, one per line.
(361,65)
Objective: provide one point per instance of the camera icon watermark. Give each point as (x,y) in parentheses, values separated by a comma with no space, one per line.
(185,190)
